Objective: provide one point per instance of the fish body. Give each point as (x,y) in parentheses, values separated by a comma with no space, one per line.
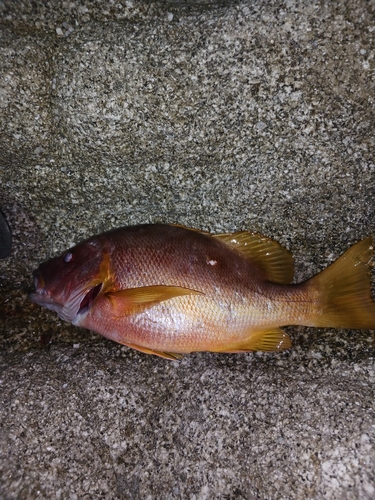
(169,290)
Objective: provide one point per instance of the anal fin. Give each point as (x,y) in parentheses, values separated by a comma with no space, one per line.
(274,339)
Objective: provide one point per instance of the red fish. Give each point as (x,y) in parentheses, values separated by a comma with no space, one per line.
(168,290)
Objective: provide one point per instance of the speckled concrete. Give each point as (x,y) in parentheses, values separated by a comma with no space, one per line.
(100,422)
(244,115)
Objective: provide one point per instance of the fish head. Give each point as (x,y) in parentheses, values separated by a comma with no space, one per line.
(70,283)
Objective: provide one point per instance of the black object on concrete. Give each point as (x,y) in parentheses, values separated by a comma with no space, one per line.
(5,238)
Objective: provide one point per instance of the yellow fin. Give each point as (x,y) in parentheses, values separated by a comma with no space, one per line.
(344,292)
(166,355)
(191,229)
(273,339)
(267,255)
(135,300)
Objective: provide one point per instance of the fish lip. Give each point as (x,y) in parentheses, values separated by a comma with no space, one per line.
(41,298)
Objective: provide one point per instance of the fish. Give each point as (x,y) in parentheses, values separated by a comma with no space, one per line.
(169,290)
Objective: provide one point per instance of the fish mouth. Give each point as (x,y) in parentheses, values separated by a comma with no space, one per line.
(68,310)
(89,298)
(40,296)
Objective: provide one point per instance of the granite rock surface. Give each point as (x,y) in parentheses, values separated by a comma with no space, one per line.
(217,115)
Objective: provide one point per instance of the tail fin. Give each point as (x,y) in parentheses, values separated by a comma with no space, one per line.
(344,290)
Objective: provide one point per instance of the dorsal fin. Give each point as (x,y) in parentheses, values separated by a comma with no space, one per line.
(275,261)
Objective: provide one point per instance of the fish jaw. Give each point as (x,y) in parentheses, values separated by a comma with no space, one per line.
(44,301)
(76,308)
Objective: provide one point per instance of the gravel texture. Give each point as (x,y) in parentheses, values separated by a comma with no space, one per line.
(220,116)
(100,422)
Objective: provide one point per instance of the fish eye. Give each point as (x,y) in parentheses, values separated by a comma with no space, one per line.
(68,257)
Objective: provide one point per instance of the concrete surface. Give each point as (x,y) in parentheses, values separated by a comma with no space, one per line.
(221,116)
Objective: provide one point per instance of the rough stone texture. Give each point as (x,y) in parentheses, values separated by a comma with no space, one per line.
(221,116)
(100,422)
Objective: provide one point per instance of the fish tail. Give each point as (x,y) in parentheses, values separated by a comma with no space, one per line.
(343,290)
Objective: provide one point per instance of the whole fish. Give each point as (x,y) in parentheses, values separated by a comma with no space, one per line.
(169,290)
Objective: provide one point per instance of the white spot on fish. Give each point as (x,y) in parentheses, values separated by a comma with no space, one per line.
(211,262)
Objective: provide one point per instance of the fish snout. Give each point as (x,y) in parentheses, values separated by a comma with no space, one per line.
(41,295)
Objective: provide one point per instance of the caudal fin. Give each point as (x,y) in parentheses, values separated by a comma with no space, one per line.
(344,290)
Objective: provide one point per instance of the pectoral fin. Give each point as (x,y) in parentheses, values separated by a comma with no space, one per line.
(274,339)
(135,300)
(166,355)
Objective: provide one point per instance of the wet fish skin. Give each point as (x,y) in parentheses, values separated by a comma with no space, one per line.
(169,290)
